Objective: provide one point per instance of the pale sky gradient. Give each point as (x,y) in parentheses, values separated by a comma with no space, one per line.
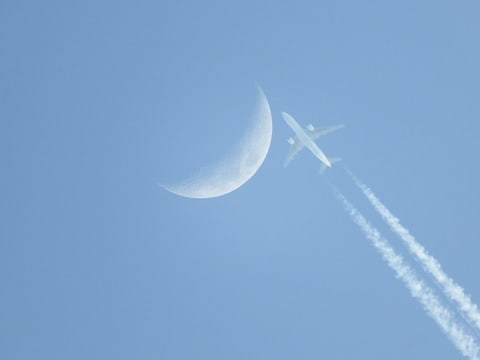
(102,100)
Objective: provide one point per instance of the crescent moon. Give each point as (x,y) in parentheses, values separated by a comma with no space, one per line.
(231,173)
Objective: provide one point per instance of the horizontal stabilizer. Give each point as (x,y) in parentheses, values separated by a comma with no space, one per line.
(323,167)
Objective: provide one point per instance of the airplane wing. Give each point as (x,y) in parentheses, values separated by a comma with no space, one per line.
(294,150)
(315,133)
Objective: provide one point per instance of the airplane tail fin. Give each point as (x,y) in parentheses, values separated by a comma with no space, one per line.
(332,161)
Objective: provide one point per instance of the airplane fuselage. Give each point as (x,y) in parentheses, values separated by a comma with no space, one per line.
(305,139)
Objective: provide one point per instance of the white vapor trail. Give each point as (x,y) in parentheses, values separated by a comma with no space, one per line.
(452,290)
(419,290)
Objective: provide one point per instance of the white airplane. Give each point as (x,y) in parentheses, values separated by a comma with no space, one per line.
(305,138)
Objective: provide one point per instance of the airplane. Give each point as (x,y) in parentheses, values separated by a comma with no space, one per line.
(305,138)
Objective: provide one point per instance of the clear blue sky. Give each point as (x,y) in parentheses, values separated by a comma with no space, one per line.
(100,100)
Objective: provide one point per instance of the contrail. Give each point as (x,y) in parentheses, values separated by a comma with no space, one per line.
(419,290)
(451,289)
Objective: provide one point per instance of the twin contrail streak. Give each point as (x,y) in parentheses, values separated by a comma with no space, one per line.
(452,290)
(419,290)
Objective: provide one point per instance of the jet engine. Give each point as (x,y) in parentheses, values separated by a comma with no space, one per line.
(310,127)
(291,141)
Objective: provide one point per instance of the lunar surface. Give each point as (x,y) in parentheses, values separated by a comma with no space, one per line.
(232,172)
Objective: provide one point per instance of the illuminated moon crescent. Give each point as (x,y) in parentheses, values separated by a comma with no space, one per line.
(231,173)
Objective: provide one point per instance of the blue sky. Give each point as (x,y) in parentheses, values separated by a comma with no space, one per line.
(101,100)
